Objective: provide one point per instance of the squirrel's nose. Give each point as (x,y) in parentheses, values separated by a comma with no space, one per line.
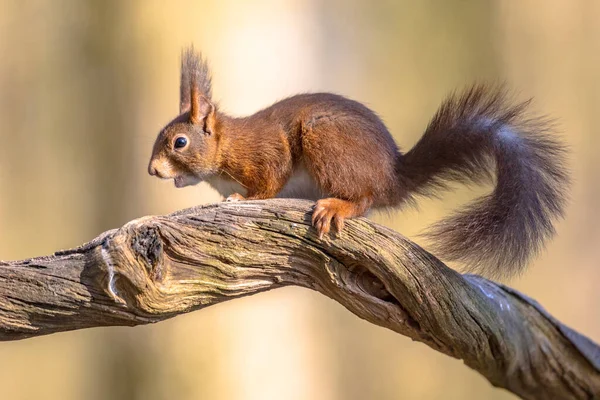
(151,169)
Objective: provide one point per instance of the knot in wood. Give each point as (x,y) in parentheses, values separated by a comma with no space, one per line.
(147,246)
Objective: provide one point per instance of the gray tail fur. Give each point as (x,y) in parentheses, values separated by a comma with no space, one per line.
(473,135)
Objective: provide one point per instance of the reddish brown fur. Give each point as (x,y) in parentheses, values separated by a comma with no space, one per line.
(261,151)
(335,150)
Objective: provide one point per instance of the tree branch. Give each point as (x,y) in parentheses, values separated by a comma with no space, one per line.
(155,268)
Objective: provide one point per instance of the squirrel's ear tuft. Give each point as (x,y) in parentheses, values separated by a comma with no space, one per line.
(195,77)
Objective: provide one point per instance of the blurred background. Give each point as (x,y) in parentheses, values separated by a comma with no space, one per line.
(86,85)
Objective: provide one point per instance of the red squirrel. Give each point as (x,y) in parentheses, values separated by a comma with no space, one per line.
(334,150)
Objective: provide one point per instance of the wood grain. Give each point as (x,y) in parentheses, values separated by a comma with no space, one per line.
(155,268)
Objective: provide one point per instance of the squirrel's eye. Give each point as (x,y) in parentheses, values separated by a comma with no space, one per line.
(180,142)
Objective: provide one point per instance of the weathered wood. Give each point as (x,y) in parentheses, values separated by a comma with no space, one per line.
(155,268)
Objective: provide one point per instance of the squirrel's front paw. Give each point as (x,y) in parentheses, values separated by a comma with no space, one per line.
(235,197)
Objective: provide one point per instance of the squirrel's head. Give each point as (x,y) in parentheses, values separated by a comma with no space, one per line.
(186,150)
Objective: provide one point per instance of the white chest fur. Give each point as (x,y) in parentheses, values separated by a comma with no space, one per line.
(300,185)
(226,187)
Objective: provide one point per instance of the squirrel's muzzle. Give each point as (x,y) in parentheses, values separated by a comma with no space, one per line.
(161,168)
(152,169)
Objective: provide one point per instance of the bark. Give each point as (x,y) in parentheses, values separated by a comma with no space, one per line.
(155,268)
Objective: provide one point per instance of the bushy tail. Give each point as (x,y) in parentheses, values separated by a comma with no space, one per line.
(471,134)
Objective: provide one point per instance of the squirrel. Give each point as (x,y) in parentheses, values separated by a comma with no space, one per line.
(336,151)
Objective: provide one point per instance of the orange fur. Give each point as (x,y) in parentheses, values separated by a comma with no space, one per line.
(329,148)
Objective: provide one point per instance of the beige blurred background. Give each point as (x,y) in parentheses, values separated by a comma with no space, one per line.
(86,85)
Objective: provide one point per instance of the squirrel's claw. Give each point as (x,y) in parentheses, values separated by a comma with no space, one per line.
(325,213)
